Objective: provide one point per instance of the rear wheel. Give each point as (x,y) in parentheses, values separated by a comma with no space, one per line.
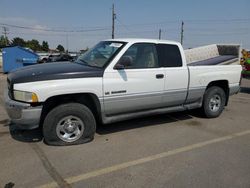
(213,102)
(69,124)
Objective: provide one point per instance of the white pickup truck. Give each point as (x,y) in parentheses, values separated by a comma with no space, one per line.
(117,80)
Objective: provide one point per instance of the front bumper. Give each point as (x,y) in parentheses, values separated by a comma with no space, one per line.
(22,114)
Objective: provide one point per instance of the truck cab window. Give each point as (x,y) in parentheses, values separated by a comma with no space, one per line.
(143,55)
(169,55)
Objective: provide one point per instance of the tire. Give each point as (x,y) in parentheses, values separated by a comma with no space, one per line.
(214,101)
(69,124)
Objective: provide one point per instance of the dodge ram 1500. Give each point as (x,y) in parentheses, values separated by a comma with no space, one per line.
(116,80)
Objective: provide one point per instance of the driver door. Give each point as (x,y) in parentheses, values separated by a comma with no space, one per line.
(138,86)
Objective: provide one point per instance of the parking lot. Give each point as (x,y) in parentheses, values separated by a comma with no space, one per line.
(171,150)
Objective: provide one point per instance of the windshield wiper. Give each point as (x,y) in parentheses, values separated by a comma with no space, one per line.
(82,61)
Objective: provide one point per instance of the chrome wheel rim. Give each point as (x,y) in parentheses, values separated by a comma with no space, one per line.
(70,128)
(215,103)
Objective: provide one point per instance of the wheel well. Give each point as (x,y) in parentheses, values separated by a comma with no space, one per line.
(222,84)
(88,99)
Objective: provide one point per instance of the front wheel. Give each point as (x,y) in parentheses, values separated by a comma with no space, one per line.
(213,102)
(69,124)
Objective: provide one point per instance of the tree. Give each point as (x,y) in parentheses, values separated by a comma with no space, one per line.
(33,44)
(18,42)
(45,46)
(4,41)
(60,48)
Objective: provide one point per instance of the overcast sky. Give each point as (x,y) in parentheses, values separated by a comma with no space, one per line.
(85,22)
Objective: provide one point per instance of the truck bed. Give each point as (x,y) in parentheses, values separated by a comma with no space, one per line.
(213,55)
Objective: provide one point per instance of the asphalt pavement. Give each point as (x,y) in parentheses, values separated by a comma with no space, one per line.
(170,150)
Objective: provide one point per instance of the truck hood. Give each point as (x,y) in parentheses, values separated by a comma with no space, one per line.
(53,71)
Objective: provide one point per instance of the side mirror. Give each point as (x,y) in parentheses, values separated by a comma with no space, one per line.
(125,61)
(119,67)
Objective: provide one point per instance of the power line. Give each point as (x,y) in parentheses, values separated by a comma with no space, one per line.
(188,31)
(218,34)
(98,31)
(5,32)
(219,20)
(53,30)
(101,28)
(55,34)
(123,25)
(205,21)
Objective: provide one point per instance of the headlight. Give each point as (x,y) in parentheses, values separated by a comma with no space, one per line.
(25,96)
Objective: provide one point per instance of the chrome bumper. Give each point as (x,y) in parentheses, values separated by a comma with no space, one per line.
(22,114)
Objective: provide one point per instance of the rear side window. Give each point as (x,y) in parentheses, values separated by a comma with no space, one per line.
(169,55)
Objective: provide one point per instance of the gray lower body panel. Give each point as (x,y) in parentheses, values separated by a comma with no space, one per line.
(234,90)
(195,94)
(127,116)
(129,107)
(136,102)
(22,114)
(129,103)
(174,97)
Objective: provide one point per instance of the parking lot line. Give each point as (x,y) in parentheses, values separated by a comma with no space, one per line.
(49,168)
(124,165)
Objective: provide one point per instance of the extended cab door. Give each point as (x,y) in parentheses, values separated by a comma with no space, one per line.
(139,86)
(176,74)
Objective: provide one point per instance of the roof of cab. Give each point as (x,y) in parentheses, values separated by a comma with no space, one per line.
(135,40)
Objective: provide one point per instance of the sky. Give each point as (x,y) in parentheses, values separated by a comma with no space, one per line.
(77,24)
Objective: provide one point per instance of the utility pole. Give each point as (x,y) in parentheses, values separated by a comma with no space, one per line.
(5,32)
(113,21)
(160,34)
(67,43)
(182,32)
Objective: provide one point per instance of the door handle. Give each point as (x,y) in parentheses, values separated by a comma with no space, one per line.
(159,76)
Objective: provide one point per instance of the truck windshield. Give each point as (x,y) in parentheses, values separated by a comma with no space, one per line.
(101,54)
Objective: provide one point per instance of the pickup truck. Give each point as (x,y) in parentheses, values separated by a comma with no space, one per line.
(116,80)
